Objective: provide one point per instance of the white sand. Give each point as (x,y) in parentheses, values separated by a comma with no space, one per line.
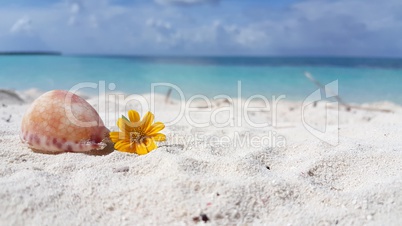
(308,181)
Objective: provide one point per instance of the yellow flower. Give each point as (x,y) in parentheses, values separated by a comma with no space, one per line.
(137,136)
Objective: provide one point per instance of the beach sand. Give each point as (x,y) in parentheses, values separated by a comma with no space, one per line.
(296,180)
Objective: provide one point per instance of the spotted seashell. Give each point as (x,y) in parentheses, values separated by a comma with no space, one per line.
(60,121)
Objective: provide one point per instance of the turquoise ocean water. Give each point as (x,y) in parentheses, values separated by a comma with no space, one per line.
(360,79)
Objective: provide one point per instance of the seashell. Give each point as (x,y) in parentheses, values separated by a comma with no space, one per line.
(60,121)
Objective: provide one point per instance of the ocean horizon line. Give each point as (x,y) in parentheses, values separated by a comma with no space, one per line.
(234,60)
(233,56)
(113,55)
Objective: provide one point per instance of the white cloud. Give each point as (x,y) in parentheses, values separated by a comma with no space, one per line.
(185,2)
(91,12)
(22,37)
(158,23)
(22,25)
(75,8)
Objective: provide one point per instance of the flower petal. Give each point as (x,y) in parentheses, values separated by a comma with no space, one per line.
(159,137)
(131,149)
(141,149)
(128,149)
(122,145)
(147,121)
(116,136)
(150,144)
(155,128)
(133,116)
(124,125)
(121,124)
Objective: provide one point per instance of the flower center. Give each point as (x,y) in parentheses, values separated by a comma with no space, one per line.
(136,137)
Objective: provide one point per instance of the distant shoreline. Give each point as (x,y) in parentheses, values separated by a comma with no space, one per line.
(17,53)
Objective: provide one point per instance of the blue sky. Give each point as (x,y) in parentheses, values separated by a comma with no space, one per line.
(204,27)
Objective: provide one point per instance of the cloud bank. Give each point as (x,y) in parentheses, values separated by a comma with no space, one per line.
(309,27)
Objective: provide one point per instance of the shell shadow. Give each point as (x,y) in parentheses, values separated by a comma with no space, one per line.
(106,151)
